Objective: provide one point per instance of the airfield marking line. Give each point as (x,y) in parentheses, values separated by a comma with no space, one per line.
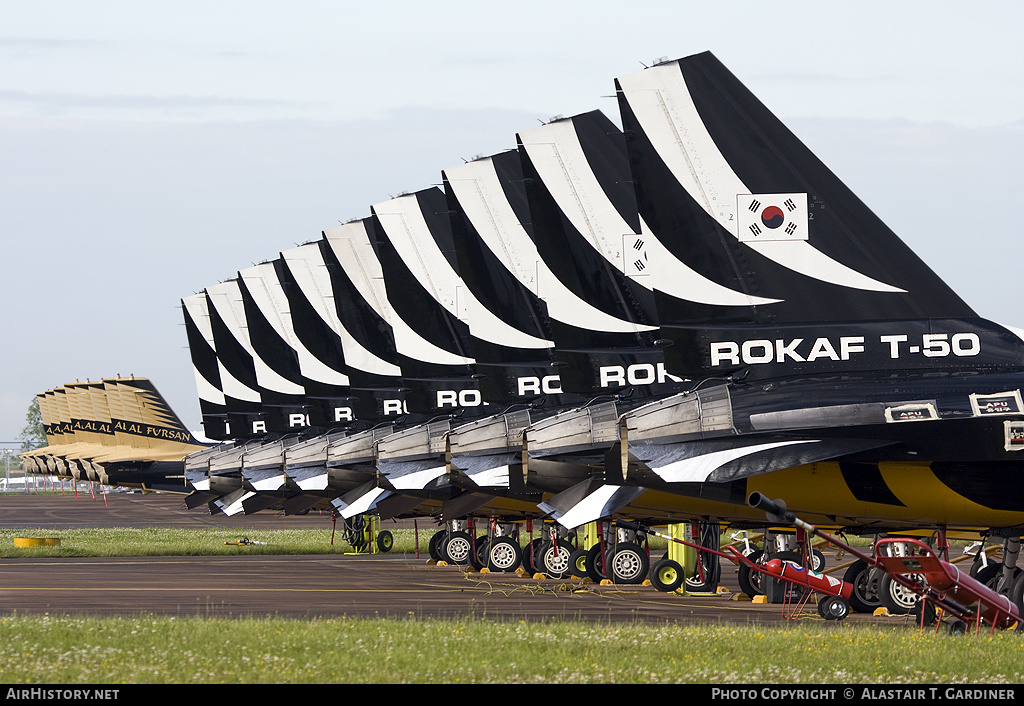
(122,589)
(156,560)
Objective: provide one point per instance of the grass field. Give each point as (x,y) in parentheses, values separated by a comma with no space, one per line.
(123,541)
(146,649)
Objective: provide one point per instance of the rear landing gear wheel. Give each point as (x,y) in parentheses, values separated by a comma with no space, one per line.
(458,549)
(706,575)
(629,563)
(992,577)
(596,564)
(434,545)
(555,559)
(531,556)
(1017,594)
(988,573)
(503,555)
(750,580)
(864,598)
(897,598)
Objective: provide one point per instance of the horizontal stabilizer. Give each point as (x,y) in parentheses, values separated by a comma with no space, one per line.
(199,497)
(589,501)
(299,504)
(723,460)
(465,504)
(491,471)
(313,478)
(197,480)
(357,448)
(412,475)
(265,480)
(361,500)
(257,502)
(394,505)
(231,504)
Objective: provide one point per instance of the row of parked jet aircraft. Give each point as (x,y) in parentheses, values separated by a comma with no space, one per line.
(650,322)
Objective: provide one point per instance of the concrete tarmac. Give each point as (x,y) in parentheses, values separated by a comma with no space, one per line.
(382,585)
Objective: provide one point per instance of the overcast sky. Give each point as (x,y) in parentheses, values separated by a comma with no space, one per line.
(146,153)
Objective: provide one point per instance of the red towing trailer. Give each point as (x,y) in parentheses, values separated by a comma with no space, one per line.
(939,583)
(835,605)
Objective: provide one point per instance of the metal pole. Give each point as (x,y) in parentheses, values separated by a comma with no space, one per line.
(7,448)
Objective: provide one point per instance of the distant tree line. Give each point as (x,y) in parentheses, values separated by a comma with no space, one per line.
(32,434)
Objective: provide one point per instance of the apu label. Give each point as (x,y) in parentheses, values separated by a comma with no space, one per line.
(999,403)
(911,413)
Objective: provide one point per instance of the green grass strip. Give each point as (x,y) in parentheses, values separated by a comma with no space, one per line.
(149,649)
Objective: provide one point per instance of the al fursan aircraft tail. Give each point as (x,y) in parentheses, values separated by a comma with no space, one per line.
(118,431)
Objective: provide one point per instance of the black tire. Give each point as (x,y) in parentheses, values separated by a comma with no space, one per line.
(833,607)
(578,564)
(708,570)
(667,575)
(990,572)
(434,545)
(817,560)
(750,580)
(629,564)
(503,555)
(712,571)
(531,556)
(897,598)
(595,564)
(992,577)
(458,550)
(976,564)
(958,627)
(385,541)
(930,613)
(864,598)
(481,552)
(478,557)
(554,558)
(1017,594)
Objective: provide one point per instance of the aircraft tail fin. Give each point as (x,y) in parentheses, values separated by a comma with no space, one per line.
(729,190)
(727,185)
(118,431)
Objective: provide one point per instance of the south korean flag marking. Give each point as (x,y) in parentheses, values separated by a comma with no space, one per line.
(768,217)
(635,259)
